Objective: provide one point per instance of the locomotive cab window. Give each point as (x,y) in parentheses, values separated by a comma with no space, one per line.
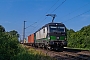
(57,29)
(43,30)
(53,29)
(61,29)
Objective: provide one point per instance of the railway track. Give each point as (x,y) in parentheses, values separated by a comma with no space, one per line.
(70,56)
(67,54)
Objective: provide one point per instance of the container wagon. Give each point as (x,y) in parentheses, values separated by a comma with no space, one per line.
(31,40)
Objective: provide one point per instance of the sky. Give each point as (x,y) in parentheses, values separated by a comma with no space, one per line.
(75,14)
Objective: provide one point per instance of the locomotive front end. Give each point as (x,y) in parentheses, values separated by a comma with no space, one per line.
(57,36)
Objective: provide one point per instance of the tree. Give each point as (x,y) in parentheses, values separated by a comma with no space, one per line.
(8,46)
(14,33)
(79,39)
(2,29)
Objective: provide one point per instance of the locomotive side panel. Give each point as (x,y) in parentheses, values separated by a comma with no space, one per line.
(41,33)
(38,35)
(41,36)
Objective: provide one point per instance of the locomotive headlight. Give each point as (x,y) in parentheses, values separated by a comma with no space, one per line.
(48,37)
(65,38)
(57,37)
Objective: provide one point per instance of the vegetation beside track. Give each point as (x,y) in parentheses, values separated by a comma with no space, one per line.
(10,48)
(28,53)
(79,39)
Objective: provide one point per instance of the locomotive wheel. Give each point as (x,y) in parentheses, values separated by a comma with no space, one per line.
(49,48)
(43,46)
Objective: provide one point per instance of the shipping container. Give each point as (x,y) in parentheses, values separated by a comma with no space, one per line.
(31,38)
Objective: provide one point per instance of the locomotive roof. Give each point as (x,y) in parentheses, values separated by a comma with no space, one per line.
(60,24)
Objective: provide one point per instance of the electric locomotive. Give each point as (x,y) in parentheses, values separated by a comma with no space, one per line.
(51,36)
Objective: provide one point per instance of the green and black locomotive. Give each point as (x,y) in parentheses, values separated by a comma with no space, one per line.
(51,36)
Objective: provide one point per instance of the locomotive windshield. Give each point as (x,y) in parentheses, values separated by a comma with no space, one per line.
(57,29)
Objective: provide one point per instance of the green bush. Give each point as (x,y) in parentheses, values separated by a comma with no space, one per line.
(8,46)
(79,39)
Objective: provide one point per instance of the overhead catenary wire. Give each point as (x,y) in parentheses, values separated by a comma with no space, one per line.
(58,6)
(75,10)
(30,25)
(52,6)
(77,16)
(37,25)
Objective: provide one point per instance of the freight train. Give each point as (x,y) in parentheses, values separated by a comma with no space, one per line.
(50,36)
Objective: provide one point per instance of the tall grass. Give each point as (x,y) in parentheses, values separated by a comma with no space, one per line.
(30,54)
